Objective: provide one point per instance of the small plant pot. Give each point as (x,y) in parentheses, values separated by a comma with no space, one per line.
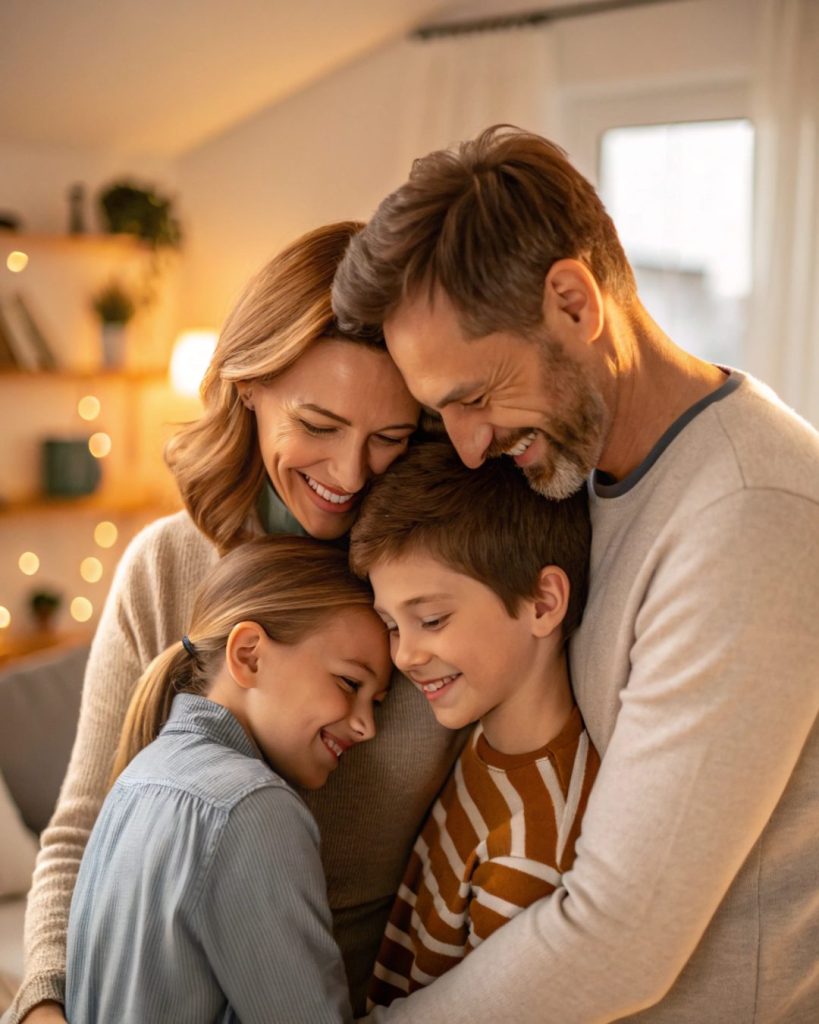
(114,338)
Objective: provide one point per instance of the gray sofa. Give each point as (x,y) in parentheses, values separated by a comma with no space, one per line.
(39,705)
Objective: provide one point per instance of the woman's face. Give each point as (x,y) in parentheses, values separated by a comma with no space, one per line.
(340,415)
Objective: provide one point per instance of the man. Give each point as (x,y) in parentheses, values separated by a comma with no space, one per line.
(508,304)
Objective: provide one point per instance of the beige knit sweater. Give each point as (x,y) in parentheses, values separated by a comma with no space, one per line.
(368,813)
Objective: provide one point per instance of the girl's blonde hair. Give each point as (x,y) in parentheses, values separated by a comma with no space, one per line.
(284,310)
(288,585)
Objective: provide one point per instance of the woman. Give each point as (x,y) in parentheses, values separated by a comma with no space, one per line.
(297,418)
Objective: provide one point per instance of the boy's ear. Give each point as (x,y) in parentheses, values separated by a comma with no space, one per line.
(548,608)
(243,653)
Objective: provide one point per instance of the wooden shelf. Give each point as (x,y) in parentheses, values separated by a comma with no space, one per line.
(88,240)
(127,375)
(115,504)
(21,644)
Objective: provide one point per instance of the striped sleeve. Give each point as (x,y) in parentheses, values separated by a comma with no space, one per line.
(498,839)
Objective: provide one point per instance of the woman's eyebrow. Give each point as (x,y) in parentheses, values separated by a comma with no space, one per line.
(347,423)
(326,412)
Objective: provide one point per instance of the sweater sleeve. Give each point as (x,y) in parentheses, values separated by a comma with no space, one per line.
(722,687)
(263,918)
(133,628)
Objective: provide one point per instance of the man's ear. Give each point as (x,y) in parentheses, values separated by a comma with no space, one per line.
(245,389)
(243,653)
(548,608)
(572,302)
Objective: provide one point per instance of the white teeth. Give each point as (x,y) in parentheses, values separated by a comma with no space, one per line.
(439,684)
(331,743)
(336,499)
(522,445)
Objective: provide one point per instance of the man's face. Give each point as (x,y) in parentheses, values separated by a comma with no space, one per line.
(502,394)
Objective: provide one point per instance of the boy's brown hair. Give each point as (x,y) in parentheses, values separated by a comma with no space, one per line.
(486,523)
(484,223)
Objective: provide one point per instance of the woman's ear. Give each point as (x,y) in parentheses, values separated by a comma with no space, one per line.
(572,301)
(548,608)
(245,389)
(243,653)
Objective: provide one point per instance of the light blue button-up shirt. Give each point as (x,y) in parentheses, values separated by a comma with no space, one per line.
(201,896)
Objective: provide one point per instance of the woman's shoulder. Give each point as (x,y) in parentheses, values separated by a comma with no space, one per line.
(170,544)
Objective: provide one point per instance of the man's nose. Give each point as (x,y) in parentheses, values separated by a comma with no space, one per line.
(469,438)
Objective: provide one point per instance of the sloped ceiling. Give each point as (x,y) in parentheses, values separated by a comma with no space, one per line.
(162,76)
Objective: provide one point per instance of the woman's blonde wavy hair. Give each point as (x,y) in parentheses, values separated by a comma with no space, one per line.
(284,310)
(288,585)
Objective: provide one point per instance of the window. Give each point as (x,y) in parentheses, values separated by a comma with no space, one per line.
(681,198)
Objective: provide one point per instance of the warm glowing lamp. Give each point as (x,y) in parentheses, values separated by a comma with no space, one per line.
(191,354)
(5,617)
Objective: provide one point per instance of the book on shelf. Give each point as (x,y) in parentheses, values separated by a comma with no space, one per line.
(25,338)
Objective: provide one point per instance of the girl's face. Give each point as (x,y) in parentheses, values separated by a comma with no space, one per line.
(315,699)
(340,415)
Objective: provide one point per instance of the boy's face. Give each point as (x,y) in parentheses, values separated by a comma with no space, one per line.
(453,637)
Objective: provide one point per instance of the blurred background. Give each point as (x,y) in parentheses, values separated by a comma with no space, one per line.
(153,155)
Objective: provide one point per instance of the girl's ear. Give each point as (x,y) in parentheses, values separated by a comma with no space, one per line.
(548,609)
(243,653)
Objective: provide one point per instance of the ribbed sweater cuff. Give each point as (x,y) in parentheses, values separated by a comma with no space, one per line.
(35,989)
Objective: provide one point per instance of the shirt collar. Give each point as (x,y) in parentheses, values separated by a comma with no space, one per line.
(275,516)
(195,714)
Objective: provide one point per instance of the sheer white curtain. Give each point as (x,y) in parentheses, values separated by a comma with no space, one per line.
(462,84)
(784,335)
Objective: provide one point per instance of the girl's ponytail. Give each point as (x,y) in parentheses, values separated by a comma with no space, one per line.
(168,674)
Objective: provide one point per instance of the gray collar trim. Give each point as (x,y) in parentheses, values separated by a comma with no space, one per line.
(620,487)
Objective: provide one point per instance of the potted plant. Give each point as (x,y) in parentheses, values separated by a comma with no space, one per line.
(115,307)
(44,605)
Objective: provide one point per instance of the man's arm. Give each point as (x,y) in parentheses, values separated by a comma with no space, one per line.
(720,701)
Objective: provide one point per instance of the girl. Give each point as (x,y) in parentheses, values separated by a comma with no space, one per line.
(298,416)
(201,896)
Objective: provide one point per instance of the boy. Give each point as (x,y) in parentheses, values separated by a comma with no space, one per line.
(480,582)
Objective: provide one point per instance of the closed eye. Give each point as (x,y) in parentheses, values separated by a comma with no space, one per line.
(387,439)
(349,685)
(434,623)
(473,402)
(317,431)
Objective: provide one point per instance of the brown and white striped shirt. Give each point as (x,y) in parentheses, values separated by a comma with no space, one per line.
(499,837)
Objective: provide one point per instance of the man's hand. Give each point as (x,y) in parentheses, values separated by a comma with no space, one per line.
(45,1013)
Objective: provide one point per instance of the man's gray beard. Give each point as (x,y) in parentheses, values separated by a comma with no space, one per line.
(574,441)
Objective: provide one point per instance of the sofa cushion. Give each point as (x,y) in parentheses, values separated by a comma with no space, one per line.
(39,706)
(12,913)
(18,850)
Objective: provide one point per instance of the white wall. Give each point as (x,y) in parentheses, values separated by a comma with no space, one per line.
(336,149)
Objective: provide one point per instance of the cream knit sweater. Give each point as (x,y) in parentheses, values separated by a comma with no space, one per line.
(368,813)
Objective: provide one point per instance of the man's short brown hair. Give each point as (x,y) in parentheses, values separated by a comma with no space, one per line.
(486,523)
(484,223)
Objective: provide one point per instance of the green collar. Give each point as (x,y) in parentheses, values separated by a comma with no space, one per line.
(275,516)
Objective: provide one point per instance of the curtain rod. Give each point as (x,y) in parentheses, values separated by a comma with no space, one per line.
(525,19)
